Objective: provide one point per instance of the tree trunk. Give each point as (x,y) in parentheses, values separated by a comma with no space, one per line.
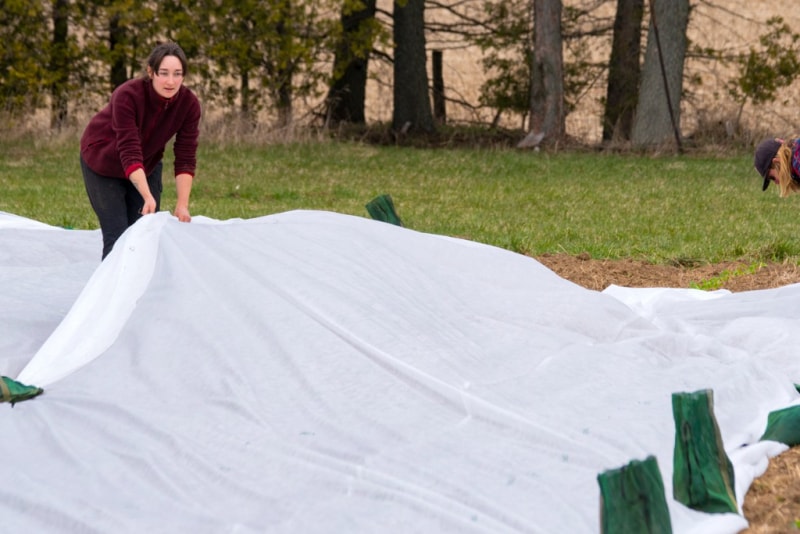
(439,101)
(58,64)
(547,75)
(285,73)
(244,95)
(285,94)
(657,120)
(347,94)
(412,104)
(116,36)
(624,71)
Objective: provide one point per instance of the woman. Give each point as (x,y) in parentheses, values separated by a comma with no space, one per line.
(122,146)
(778,161)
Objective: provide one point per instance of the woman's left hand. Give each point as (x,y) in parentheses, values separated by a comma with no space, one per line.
(183,183)
(182,214)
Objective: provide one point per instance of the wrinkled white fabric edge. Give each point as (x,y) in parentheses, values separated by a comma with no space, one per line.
(127,270)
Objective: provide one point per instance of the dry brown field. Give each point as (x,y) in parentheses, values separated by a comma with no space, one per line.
(772,504)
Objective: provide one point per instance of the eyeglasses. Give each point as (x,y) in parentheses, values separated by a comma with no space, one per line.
(165,74)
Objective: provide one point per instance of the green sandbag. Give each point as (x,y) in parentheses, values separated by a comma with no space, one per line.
(702,474)
(13,391)
(784,426)
(381,208)
(632,499)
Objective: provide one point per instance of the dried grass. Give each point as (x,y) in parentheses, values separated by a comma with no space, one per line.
(772,506)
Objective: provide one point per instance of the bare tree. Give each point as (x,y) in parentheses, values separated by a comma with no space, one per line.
(657,118)
(116,38)
(412,104)
(623,70)
(59,56)
(347,93)
(547,75)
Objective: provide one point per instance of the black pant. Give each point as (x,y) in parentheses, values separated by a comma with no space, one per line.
(116,201)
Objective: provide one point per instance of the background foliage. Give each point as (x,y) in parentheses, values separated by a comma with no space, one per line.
(270,62)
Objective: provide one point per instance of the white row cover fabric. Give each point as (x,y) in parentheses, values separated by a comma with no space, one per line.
(317,372)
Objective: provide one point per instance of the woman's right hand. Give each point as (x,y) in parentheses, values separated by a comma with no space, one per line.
(149,205)
(139,180)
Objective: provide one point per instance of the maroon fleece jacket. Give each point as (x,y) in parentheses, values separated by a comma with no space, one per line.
(132,131)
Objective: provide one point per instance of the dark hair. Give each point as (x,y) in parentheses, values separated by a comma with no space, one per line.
(163,50)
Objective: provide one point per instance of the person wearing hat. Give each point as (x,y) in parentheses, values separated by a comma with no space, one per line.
(778,161)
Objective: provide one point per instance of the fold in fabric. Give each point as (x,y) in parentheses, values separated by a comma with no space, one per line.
(317,372)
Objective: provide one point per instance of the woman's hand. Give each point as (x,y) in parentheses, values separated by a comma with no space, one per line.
(149,205)
(183,182)
(139,181)
(182,213)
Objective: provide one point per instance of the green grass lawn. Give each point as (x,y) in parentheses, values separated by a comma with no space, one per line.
(667,209)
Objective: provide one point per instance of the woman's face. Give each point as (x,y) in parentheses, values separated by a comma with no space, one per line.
(773,171)
(168,78)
